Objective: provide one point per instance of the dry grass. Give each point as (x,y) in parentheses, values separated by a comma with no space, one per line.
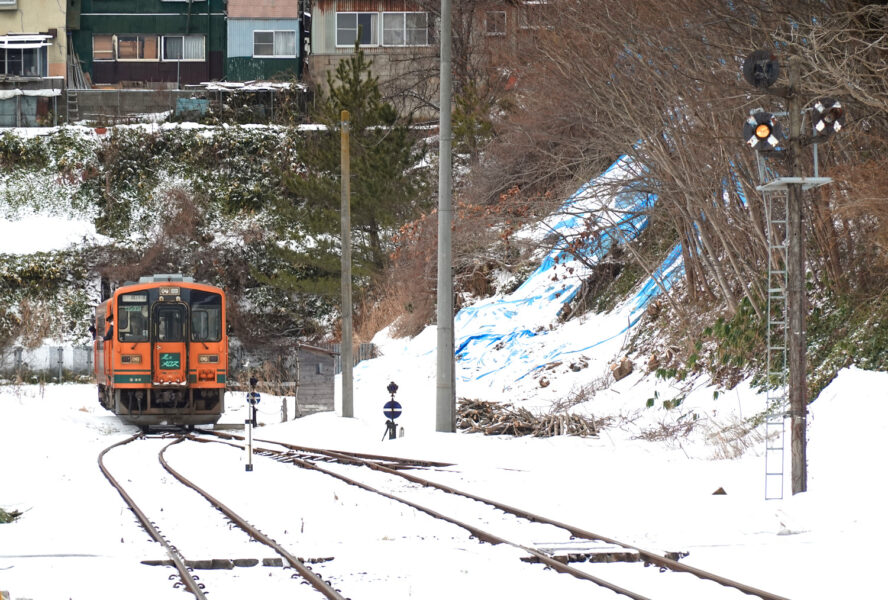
(733,439)
(37,323)
(399,301)
(667,431)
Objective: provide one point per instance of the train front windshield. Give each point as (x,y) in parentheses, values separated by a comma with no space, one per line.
(132,317)
(206,316)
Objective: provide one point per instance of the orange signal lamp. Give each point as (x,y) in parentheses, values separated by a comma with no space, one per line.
(763,131)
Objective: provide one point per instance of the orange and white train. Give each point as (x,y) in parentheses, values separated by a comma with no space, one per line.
(161,352)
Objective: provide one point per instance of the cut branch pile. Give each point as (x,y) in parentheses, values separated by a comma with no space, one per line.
(492,418)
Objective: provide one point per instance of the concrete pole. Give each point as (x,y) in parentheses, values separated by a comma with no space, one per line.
(445,408)
(795,296)
(345,356)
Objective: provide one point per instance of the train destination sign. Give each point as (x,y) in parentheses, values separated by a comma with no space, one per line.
(170,360)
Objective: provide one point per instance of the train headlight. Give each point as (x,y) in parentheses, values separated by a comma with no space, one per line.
(131,359)
(208,358)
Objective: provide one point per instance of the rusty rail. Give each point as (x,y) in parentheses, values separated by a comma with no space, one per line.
(650,557)
(184,575)
(340,455)
(313,578)
(480,534)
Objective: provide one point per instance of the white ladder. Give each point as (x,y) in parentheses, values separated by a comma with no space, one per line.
(776,207)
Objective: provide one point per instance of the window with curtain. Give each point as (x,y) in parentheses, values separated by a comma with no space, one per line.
(183,47)
(405,29)
(103,47)
(274,44)
(132,46)
(349,26)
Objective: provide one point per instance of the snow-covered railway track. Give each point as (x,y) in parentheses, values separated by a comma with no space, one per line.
(344,457)
(567,549)
(192,522)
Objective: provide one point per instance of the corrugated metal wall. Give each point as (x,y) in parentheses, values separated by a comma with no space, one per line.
(240,33)
(157,17)
(375,6)
(263,9)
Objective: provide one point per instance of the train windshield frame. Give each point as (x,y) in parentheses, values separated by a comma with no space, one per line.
(206,316)
(132,317)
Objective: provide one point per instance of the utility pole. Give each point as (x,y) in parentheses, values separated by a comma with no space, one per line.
(445,407)
(345,354)
(795,294)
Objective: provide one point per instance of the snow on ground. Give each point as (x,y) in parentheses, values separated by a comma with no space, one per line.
(76,539)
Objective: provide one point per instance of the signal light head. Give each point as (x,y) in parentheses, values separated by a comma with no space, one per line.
(762,131)
(761,69)
(827,116)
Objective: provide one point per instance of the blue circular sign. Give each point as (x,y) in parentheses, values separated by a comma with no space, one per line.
(392,409)
(253,397)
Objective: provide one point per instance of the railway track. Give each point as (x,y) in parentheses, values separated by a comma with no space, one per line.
(568,549)
(189,514)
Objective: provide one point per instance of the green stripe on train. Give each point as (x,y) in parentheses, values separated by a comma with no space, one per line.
(132,378)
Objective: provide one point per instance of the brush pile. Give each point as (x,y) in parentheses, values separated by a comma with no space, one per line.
(493,418)
(9,517)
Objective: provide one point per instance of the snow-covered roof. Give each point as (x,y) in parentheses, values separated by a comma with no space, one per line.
(251,86)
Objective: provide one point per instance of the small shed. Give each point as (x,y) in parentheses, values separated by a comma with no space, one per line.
(26,101)
(294,370)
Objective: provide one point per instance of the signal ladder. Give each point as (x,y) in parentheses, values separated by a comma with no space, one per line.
(776,206)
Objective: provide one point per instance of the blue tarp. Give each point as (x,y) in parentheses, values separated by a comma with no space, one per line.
(497,332)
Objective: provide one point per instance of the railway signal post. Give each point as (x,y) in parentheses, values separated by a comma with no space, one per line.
(787,290)
(253,399)
(391,410)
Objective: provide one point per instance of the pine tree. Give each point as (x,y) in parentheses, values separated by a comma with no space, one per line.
(386,188)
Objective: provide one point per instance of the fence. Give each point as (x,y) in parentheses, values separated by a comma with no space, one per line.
(47,361)
(108,107)
(364,351)
(282,369)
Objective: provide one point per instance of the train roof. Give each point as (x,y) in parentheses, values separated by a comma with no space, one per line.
(160,279)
